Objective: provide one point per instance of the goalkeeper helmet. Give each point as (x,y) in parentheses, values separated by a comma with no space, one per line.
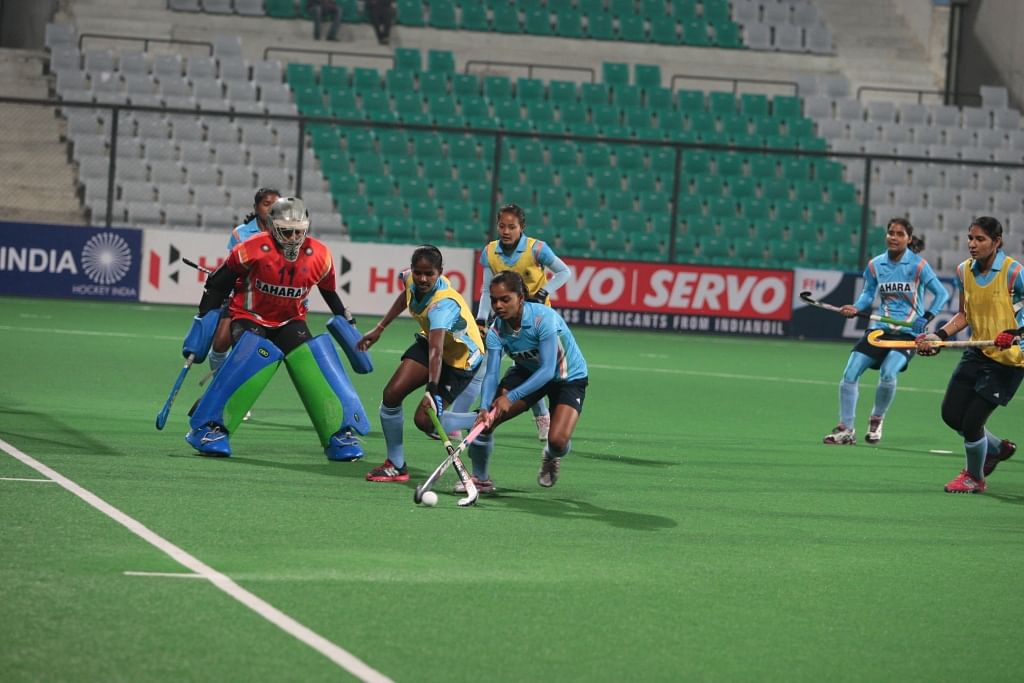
(290,222)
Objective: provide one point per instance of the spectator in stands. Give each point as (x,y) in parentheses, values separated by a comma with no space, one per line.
(320,10)
(380,14)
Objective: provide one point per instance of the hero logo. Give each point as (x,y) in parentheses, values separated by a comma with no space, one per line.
(106,258)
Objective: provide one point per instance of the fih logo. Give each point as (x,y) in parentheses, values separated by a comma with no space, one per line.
(106,258)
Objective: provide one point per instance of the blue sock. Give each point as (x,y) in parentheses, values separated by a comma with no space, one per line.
(540,408)
(463,403)
(976,457)
(217,359)
(550,452)
(992,442)
(847,403)
(480,454)
(391,420)
(884,394)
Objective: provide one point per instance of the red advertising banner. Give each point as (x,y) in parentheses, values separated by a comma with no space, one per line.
(680,297)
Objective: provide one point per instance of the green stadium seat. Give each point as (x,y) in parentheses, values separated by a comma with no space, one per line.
(848,257)
(568,24)
(562,153)
(701,123)
(631,222)
(334,78)
(627,95)
(799,128)
(756,209)
(403,167)
(505,18)
(397,230)
(695,32)
(813,144)
(665,31)
(789,212)
(497,87)
(474,17)
(611,242)
(750,249)
(786,107)
(442,14)
(459,212)
(768,230)
(842,193)
(433,231)
(592,94)
(596,220)
(574,239)
(600,25)
(822,213)
(663,162)
(700,226)
(560,219)
(408,58)
(585,198)
(828,171)
(686,248)
(572,113)
(722,103)
(615,73)
(596,155)
(363,228)
(715,10)
(529,90)
(397,81)
(537,22)
(440,61)
(727,34)
(714,247)
(690,100)
(782,251)
(469,234)
(300,75)
(539,175)
(654,202)
(803,232)
(281,9)
(561,92)
(632,29)
(659,99)
(550,196)
(422,208)
(684,9)
(742,188)
(619,200)
(820,254)
(378,186)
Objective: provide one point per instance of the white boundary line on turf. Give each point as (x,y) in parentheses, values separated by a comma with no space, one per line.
(336,654)
(34,481)
(165,575)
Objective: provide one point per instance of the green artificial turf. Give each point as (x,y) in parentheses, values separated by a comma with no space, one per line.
(700,530)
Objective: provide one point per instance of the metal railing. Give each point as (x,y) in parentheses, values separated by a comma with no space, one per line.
(530,67)
(919,92)
(146,42)
(735,82)
(499,137)
(330,54)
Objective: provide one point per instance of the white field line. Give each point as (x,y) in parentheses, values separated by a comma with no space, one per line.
(616,368)
(336,654)
(167,575)
(34,481)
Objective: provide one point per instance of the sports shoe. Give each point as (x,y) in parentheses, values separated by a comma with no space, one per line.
(548,474)
(965,483)
(388,472)
(210,439)
(874,434)
(486,486)
(343,447)
(543,426)
(841,436)
(1006,451)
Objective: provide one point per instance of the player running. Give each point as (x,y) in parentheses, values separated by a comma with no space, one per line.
(992,284)
(546,362)
(531,258)
(900,277)
(444,357)
(272,274)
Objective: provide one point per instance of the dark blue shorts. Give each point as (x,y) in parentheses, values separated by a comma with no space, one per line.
(995,382)
(570,393)
(453,380)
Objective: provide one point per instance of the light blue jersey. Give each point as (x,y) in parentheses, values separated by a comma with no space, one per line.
(243,232)
(901,286)
(543,345)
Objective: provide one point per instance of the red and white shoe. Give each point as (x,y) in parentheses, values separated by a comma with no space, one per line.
(1006,451)
(388,472)
(965,483)
(840,436)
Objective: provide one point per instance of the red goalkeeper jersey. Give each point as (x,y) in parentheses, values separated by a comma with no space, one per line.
(272,290)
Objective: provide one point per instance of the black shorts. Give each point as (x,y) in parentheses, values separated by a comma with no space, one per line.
(994,382)
(453,380)
(571,393)
(877,354)
(288,337)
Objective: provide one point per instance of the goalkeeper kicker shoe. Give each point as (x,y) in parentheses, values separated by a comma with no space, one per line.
(210,439)
(484,486)
(841,436)
(965,483)
(548,474)
(1006,451)
(543,426)
(874,434)
(388,472)
(343,447)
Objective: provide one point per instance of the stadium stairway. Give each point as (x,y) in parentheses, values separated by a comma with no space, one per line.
(37,184)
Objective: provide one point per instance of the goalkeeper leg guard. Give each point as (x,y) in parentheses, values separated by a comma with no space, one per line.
(234,389)
(331,401)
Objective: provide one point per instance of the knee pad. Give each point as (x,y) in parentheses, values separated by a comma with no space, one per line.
(241,379)
(325,389)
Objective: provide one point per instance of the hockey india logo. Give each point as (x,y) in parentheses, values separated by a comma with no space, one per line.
(106,258)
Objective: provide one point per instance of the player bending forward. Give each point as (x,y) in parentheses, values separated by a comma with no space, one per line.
(546,362)
(272,274)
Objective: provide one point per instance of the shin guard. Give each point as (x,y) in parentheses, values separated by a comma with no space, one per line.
(331,402)
(246,372)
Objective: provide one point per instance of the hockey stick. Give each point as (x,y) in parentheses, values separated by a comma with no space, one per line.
(873,339)
(161,418)
(201,269)
(808,299)
(443,467)
(472,494)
